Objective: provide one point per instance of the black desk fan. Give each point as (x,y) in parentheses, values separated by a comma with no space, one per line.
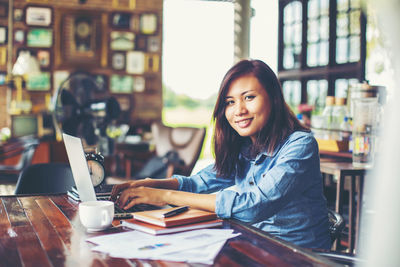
(82,108)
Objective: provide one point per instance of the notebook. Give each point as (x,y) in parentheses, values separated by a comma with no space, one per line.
(80,171)
(160,230)
(156,217)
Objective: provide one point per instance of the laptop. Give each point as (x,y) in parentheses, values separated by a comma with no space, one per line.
(84,186)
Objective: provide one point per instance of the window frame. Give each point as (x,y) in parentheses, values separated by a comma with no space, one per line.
(332,70)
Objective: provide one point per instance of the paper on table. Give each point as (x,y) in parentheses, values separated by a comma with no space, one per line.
(134,245)
(204,255)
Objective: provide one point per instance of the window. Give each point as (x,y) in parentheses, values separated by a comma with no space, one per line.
(322,46)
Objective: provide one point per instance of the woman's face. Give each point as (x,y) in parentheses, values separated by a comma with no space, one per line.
(248,106)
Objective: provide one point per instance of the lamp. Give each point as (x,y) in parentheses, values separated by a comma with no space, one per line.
(24,66)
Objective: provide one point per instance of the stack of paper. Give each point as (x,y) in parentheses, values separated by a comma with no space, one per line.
(200,246)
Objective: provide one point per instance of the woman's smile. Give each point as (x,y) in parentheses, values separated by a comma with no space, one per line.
(244,123)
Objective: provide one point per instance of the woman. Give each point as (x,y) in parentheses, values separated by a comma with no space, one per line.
(266,169)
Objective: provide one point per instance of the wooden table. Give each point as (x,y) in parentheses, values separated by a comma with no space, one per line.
(356,175)
(46,231)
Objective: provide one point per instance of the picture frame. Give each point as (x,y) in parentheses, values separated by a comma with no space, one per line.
(101,82)
(153,44)
(135,62)
(139,84)
(59,76)
(18,14)
(44,58)
(39,37)
(118,61)
(141,43)
(3,35)
(122,41)
(38,16)
(148,23)
(19,36)
(121,84)
(120,20)
(81,42)
(39,82)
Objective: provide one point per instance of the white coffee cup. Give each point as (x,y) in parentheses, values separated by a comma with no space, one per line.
(96,215)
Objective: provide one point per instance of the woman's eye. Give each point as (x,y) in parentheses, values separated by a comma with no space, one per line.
(229,103)
(249,97)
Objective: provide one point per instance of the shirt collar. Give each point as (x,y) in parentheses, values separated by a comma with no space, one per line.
(245,152)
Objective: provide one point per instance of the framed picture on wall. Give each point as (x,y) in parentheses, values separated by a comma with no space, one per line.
(59,76)
(19,36)
(148,23)
(153,44)
(44,58)
(18,14)
(38,82)
(118,61)
(101,82)
(122,41)
(139,84)
(3,35)
(80,40)
(120,20)
(135,62)
(121,84)
(39,37)
(38,16)
(141,43)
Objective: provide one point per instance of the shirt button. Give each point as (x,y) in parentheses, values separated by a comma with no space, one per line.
(251,183)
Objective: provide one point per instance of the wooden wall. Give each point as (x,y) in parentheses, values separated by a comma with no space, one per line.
(97,52)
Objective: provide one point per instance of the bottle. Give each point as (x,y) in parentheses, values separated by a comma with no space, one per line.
(345,129)
(339,111)
(327,116)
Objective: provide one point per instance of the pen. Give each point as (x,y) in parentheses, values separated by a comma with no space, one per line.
(175,211)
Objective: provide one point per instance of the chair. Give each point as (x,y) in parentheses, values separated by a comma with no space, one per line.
(336,225)
(186,141)
(20,150)
(45,178)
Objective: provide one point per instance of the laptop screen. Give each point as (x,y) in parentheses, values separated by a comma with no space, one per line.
(79,167)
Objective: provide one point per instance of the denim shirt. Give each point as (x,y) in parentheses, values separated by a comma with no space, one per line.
(280,193)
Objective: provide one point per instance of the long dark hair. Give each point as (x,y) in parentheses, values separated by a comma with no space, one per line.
(281,123)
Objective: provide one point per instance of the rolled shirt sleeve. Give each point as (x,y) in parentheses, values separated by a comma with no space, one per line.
(205,181)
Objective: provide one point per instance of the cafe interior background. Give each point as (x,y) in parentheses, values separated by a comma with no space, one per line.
(162,61)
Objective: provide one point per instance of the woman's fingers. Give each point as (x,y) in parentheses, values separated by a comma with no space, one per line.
(117,189)
(138,195)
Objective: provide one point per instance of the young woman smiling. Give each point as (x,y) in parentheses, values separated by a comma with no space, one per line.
(266,169)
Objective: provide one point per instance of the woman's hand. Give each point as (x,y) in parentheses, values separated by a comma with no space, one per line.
(138,195)
(132,184)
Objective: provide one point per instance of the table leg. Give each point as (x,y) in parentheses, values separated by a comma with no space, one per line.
(360,189)
(352,193)
(339,202)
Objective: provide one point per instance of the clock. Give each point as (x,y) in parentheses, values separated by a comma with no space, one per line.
(97,172)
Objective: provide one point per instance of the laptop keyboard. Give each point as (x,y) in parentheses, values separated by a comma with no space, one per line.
(126,214)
